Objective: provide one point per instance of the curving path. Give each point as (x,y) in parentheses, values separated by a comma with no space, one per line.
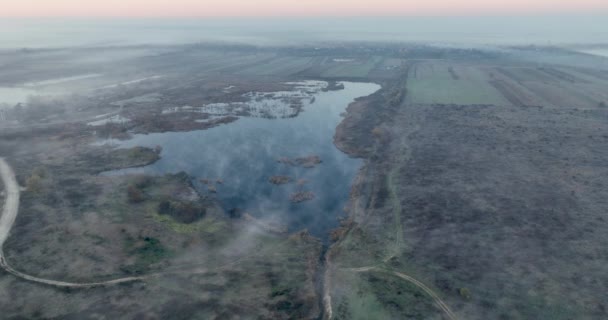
(11,203)
(9,214)
(444,307)
(11,209)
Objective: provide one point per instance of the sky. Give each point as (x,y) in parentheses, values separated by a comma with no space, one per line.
(298,8)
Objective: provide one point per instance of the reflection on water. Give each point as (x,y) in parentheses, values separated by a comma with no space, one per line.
(244,156)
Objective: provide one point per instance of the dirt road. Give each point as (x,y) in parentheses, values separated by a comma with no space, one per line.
(11,203)
(444,307)
(9,214)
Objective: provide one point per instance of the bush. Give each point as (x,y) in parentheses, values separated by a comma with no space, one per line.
(465,293)
(377,132)
(396,97)
(134,194)
(33,183)
(147,252)
(184,212)
(40,171)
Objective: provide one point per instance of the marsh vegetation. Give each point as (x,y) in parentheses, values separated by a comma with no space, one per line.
(353,181)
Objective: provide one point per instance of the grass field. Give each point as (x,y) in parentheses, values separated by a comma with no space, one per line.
(554,86)
(439,83)
(376,295)
(280,66)
(353,69)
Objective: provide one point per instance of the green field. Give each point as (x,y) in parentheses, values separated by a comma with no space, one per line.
(432,83)
(279,66)
(354,69)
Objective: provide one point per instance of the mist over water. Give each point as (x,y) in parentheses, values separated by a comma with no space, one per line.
(244,155)
(500,30)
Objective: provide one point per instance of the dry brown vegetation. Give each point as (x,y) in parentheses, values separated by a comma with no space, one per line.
(304,162)
(494,197)
(75,225)
(301,196)
(278,180)
(455,188)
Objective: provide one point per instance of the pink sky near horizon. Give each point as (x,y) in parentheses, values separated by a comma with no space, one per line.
(262,8)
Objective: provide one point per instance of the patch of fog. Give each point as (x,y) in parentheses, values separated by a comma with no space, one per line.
(596,52)
(146,98)
(140,80)
(274,108)
(108,143)
(244,154)
(265,108)
(113,55)
(181,109)
(12,96)
(210,118)
(131,82)
(279,104)
(276,95)
(118,119)
(311,86)
(103,115)
(61,80)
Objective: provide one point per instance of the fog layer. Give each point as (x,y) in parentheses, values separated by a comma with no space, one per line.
(18,33)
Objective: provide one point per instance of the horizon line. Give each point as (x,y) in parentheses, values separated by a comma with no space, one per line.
(603,12)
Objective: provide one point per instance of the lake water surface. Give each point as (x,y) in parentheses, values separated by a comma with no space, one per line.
(244,154)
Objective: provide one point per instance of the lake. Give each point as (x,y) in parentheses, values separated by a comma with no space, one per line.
(244,154)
